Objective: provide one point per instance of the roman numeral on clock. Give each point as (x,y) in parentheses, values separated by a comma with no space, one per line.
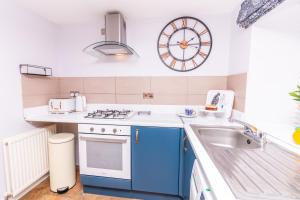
(195,25)
(184,23)
(183,66)
(173,63)
(163,45)
(165,34)
(205,43)
(203,55)
(174,26)
(194,63)
(165,55)
(203,32)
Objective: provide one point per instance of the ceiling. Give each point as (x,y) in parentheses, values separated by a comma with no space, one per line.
(78,11)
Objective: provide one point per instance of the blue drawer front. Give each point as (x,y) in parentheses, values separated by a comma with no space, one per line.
(98,181)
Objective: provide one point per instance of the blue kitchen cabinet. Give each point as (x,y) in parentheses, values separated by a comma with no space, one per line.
(187,166)
(156,159)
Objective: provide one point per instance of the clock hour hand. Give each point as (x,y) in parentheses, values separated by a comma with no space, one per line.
(178,43)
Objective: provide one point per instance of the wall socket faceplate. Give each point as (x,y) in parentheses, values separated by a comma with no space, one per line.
(148,95)
(74,93)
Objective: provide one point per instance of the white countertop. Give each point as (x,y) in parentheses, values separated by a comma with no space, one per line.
(163,119)
(161,116)
(165,116)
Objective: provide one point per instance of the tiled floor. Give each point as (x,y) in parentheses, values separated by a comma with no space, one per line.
(42,192)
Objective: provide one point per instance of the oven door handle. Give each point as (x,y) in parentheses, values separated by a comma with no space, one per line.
(103,140)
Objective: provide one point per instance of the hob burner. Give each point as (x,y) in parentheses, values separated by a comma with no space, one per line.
(109,114)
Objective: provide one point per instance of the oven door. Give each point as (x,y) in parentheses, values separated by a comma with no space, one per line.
(105,155)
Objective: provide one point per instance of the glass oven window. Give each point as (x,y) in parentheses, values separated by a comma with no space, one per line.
(104,155)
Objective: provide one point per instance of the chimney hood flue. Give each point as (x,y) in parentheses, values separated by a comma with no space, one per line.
(115,38)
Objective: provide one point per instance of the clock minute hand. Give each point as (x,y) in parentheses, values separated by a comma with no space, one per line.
(191,40)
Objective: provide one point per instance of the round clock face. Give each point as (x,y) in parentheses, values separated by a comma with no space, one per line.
(184,44)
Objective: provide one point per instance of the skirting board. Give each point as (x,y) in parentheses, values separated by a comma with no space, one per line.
(128,194)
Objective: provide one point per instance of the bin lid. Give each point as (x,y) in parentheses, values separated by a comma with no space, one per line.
(61,138)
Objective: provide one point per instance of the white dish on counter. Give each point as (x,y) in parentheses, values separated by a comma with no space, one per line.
(217,113)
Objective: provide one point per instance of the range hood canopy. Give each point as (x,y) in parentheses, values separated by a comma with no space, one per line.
(115,38)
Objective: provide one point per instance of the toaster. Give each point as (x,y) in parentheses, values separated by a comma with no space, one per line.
(64,105)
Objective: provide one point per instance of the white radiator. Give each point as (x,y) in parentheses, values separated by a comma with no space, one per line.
(26,159)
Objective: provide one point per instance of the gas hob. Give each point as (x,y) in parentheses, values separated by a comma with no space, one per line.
(110,114)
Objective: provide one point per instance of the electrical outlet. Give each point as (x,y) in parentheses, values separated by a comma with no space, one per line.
(147,95)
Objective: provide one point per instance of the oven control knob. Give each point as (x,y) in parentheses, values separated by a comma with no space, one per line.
(102,130)
(114,130)
(92,129)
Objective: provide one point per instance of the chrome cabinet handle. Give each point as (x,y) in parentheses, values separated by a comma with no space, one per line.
(92,129)
(137,136)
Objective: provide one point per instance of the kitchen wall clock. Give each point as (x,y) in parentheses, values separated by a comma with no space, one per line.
(184,44)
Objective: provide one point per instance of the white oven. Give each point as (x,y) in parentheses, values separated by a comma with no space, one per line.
(104,150)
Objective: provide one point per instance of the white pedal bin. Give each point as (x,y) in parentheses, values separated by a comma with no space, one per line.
(62,162)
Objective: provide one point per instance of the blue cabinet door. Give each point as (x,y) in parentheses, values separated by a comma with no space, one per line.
(155,159)
(188,161)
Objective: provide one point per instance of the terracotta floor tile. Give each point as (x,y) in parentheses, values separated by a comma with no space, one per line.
(42,192)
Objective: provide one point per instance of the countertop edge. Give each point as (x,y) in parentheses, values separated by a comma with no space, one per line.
(128,122)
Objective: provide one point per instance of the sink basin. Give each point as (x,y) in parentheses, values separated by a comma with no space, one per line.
(225,138)
(251,172)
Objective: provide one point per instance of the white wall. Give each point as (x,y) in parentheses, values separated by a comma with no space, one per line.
(269,51)
(142,36)
(274,66)
(239,47)
(274,72)
(25,38)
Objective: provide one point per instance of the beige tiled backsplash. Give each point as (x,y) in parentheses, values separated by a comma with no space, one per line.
(201,84)
(238,83)
(38,90)
(70,84)
(100,85)
(169,86)
(129,90)
(132,85)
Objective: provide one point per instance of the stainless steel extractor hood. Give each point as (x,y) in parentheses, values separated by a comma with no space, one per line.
(115,38)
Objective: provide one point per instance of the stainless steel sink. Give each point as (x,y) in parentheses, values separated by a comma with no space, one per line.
(251,171)
(226,138)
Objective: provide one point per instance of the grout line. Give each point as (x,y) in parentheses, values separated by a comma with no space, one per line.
(115,78)
(151,102)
